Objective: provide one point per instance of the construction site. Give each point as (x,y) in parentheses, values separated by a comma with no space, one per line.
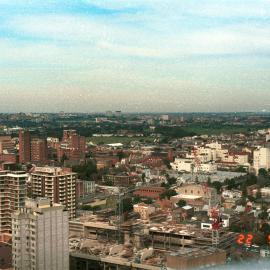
(100,243)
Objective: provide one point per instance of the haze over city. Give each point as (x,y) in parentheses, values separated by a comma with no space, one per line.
(134,134)
(135,56)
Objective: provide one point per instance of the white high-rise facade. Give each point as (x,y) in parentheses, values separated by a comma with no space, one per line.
(40,236)
(261,159)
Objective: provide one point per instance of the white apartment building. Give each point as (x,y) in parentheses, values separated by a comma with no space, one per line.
(12,196)
(189,165)
(221,153)
(57,184)
(40,234)
(239,158)
(203,154)
(261,159)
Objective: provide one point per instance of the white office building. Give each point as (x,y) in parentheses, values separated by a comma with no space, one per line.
(261,159)
(189,165)
(40,236)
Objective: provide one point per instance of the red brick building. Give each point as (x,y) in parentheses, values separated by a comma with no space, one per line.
(149,192)
(39,151)
(32,149)
(11,158)
(73,146)
(6,144)
(153,161)
(24,146)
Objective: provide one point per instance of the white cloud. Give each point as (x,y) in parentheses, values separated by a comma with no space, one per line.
(159,53)
(119,4)
(209,8)
(103,36)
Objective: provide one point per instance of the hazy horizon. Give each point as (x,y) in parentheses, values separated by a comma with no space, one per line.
(135,56)
(136,112)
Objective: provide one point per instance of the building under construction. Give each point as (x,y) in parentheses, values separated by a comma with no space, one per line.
(100,243)
(173,237)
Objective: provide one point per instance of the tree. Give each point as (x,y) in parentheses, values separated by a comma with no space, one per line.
(209,181)
(164,185)
(121,155)
(251,180)
(263,215)
(217,185)
(127,205)
(263,172)
(148,201)
(231,183)
(86,170)
(241,169)
(181,203)
(136,200)
(167,163)
(258,195)
(168,194)
(265,229)
(143,177)
(171,181)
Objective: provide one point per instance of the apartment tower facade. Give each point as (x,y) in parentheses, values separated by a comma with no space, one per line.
(57,184)
(40,236)
(39,151)
(12,196)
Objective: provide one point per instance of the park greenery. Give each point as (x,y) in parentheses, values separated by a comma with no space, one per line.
(85,171)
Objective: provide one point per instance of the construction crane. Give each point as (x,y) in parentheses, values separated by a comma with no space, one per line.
(119,209)
(216,225)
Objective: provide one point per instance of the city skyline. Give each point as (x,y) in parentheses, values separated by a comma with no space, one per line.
(134,56)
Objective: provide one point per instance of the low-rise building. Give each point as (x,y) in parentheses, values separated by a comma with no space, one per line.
(192,258)
(149,192)
(189,165)
(209,195)
(261,159)
(144,210)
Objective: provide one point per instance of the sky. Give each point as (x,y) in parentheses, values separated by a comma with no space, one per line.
(134,55)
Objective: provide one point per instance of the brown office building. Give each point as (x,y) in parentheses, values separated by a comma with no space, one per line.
(39,150)
(6,145)
(32,149)
(57,184)
(72,146)
(24,146)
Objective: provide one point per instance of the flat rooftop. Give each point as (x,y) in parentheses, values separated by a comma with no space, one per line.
(100,225)
(195,252)
(187,197)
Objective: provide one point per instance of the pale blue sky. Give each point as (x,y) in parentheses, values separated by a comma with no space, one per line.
(138,55)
